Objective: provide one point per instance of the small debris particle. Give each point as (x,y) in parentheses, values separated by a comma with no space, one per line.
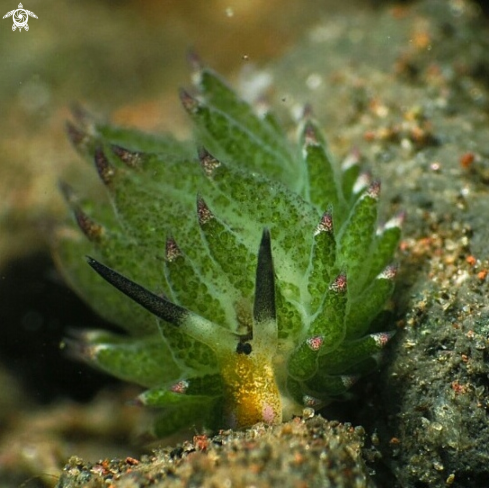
(375,439)
(438,466)
(308,413)
(435,166)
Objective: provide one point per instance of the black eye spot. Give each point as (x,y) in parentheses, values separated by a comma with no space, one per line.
(243,348)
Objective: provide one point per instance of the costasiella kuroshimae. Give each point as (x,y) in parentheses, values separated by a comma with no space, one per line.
(247,276)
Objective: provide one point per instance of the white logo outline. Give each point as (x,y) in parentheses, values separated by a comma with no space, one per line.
(20,16)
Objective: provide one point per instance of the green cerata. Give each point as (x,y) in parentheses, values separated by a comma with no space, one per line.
(246,272)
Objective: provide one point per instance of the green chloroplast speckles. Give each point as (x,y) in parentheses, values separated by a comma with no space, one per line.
(246,272)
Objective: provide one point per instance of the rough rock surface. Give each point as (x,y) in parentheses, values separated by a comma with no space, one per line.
(309,452)
(409,89)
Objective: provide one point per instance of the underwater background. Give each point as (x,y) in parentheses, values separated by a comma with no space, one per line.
(403,84)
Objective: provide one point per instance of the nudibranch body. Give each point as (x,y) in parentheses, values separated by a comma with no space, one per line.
(255,269)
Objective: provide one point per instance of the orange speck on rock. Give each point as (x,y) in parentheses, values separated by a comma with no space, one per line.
(369,135)
(298,459)
(399,12)
(403,246)
(467,159)
(458,388)
(201,442)
(421,39)
(482,274)
(471,260)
